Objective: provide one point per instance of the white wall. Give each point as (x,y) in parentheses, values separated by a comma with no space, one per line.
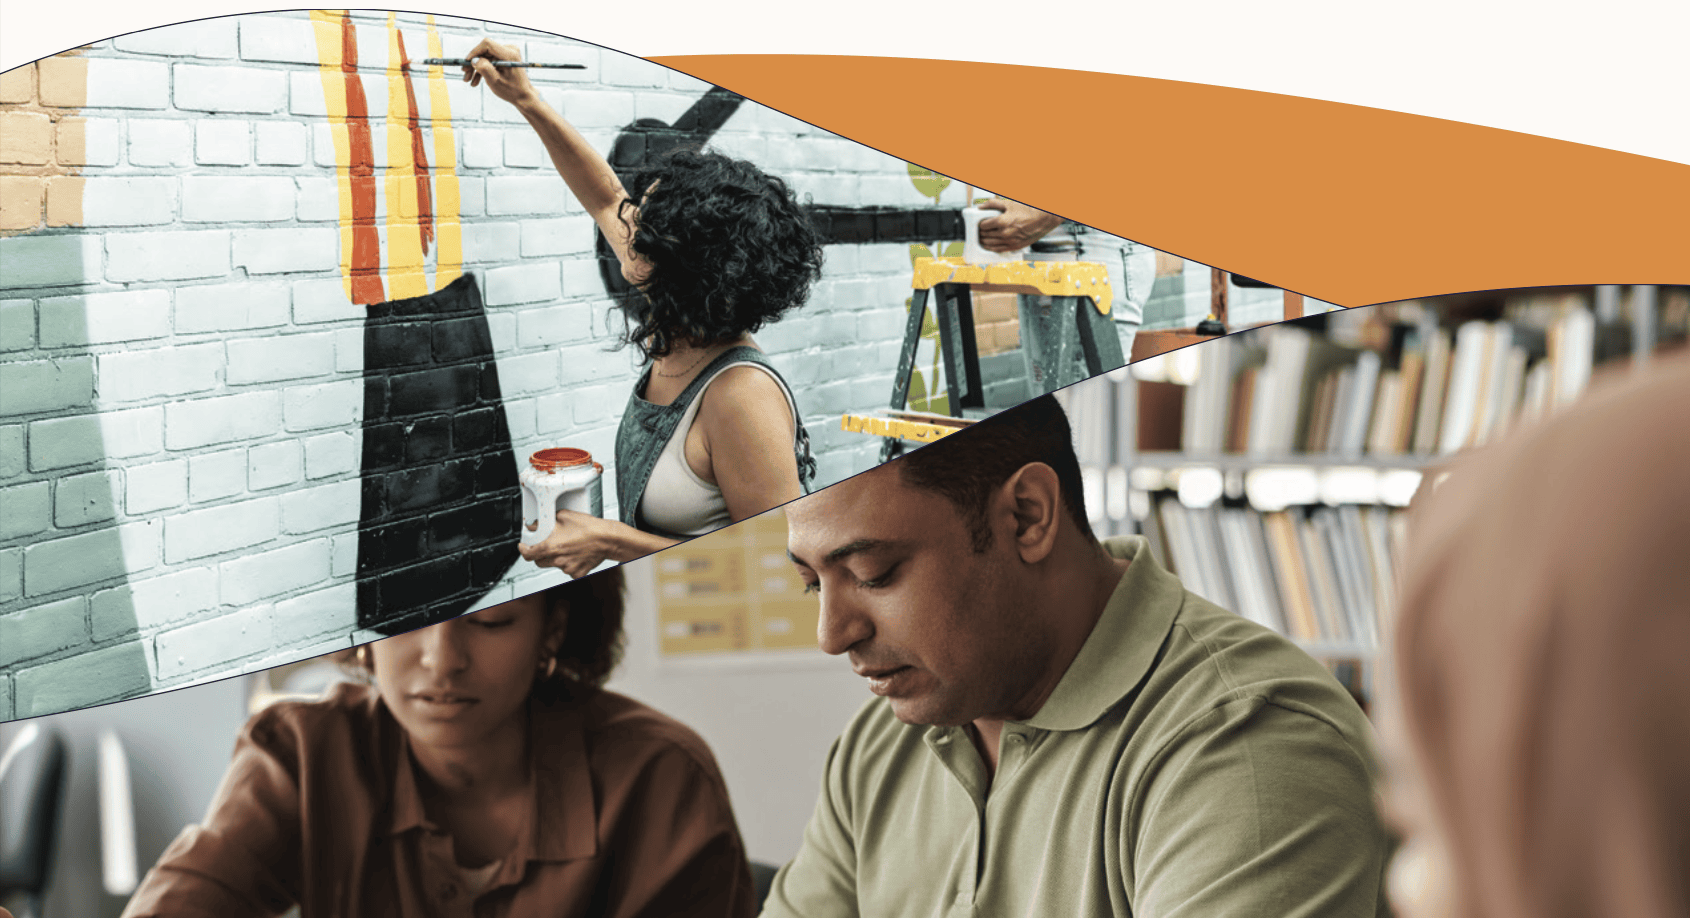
(178,744)
(769,718)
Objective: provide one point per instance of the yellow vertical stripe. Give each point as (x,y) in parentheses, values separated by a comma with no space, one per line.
(448,233)
(325,24)
(404,261)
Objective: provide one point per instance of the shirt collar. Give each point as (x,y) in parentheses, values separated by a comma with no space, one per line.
(565,822)
(1122,646)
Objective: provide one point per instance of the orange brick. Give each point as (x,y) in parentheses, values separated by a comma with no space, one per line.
(64,81)
(26,138)
(17,86)
(64,201)
(995,307)
(1008,336)
(20,201)
(72,147)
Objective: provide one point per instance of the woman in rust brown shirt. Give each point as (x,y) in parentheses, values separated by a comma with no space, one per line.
(484,773)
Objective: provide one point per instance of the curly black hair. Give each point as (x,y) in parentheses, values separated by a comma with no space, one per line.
(730,248)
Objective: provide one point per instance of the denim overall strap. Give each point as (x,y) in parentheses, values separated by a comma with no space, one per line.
(646,429)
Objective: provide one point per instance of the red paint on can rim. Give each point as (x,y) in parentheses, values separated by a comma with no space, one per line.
(560,457)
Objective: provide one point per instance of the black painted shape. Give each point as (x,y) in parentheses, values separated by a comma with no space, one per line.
(441,500)
(886,224)
(649,138)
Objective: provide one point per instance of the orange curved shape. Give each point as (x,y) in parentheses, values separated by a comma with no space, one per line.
(1347,204)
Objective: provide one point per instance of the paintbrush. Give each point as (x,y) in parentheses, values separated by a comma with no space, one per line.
(464,62)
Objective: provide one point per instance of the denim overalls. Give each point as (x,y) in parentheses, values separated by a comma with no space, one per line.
(647,428)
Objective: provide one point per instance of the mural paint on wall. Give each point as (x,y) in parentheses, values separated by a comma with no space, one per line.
(405,179)
(448,231)
(440,507)
(349,123)
(417,212)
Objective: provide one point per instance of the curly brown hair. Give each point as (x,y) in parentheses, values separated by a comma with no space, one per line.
(588,611)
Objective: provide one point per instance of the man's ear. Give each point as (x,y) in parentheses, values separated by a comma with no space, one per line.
(1034,498)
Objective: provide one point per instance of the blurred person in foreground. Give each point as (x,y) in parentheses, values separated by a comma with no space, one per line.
(1062,728)
(482,771)
(1538,740)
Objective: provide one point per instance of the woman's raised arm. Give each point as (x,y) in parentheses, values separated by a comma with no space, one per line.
(587,174)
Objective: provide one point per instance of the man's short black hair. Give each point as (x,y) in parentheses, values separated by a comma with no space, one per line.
(967,466)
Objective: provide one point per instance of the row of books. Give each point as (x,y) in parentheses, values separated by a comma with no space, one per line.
(1283,389)
(1321,575)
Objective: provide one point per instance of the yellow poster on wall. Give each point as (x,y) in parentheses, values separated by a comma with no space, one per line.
(733,591)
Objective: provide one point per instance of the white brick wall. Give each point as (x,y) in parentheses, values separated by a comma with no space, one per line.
(181,376)
(207,38)
(230,89)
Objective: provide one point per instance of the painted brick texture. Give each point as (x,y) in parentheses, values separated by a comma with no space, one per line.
(187,388)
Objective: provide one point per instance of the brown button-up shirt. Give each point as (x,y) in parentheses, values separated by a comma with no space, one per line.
(320,808)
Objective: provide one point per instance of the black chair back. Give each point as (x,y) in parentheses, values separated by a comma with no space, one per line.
(32,778)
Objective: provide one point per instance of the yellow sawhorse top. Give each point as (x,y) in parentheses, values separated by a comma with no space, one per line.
(912,426)
(1047,278)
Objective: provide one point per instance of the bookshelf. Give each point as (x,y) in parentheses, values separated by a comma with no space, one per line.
(1271,468)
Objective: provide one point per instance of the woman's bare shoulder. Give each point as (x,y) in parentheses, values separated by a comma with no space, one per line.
(742,399)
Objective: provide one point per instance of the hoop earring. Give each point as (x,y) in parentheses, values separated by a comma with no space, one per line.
(549,668)
(362,657)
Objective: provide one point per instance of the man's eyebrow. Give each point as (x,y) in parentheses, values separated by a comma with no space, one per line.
(843,551)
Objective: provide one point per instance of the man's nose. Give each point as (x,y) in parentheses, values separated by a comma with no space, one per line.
(841,624)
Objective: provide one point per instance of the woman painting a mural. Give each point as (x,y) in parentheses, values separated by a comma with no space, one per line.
(480,770)
(715,248)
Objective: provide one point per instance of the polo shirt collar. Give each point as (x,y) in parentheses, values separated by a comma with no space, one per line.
(1122,646)
(565,821)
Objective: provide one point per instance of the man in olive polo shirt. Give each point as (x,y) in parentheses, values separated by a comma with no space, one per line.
(1062,730)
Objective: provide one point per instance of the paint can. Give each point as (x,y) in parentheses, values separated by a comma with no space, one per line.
(972,252)
(561,478)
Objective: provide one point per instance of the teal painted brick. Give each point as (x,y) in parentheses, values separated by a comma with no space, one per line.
(17,325)
(29,387)
(81,680)
(79,500)
(30,633)
(50,261)
(25,509)
(11,574)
